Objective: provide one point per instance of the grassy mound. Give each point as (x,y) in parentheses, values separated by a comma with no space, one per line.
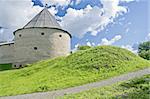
(137,88)
(82,67)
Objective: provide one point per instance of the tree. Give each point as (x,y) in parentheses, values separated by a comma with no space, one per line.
(145,54)
(144,50)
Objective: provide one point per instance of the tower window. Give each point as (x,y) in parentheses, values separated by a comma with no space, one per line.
(60,35)
(20,35)
(35,48)
(42,33)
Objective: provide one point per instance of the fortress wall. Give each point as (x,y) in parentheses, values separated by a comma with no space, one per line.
(59,44)
(7,53)
(36,44)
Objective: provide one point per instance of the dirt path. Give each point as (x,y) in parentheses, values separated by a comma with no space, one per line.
(54,94)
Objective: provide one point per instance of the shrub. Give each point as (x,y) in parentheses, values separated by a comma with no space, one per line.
(144,50)
(84,47)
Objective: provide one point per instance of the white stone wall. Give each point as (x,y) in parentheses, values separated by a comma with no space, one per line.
(7,54)
(36,44)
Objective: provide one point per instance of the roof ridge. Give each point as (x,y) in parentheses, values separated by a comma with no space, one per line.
(32,19)
(43,19)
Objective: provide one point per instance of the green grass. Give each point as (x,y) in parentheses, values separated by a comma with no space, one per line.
(82,67)
(5,67)
(138,88)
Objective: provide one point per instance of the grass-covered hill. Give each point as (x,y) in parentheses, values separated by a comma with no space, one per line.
(82,67)
(137,88)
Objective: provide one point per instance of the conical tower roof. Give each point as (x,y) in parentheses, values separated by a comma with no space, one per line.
(43,19)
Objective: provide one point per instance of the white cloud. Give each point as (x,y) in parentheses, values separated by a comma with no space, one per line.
(78,22)
(1,34)
(93,44)
(53,11)
(127,30)
(88,43)
(148,36)
(105,41)
(14,14)
(78,1)
(56,2)
(1,30)
(75,48)
(128,0)
(94,32)
(91,19)
(130,48)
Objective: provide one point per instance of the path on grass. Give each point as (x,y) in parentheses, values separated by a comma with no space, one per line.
(54,94)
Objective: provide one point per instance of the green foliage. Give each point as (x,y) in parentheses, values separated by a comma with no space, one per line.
(5,67)
(84,47)
(144,50)
(79,68)
(133,89)
(145,46)
(145,54)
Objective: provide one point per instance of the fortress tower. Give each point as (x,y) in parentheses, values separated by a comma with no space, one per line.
(40,39)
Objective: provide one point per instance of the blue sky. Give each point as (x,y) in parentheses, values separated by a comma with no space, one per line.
(126,26)
(136,21)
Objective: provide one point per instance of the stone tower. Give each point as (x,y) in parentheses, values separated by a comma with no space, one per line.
(40,39)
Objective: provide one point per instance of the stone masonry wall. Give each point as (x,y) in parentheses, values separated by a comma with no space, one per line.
(36,44)
(7,53)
